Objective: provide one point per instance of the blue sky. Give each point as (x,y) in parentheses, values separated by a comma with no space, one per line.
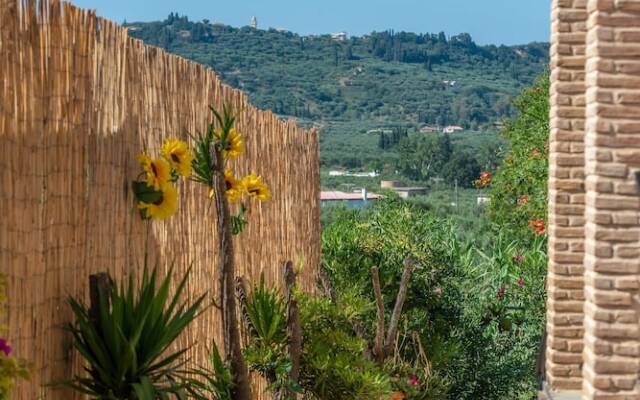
(488,21)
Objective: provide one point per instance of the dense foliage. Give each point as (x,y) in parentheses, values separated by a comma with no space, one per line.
(519,189)
(477,300)
(332,365)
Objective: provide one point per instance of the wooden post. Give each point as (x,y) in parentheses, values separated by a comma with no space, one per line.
(99,288)
(294,328)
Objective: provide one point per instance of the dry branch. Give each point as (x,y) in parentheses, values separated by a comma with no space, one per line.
(327,287)
(241,294)
(397,309)
(378,347)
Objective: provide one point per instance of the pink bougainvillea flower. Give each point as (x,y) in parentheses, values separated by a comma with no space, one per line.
(538,226)
(4,347)
(520,282)
(501,293)
(523,200)
(414,380)
(518,258)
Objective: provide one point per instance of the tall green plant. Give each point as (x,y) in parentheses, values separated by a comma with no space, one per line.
(125,347)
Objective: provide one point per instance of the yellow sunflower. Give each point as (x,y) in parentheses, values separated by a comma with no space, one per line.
(158,170)
(164,208)
(178,154)
(254,185)
(234,186)
(234,146)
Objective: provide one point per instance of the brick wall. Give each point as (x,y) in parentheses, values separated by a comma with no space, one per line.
(612,349)
(566,195)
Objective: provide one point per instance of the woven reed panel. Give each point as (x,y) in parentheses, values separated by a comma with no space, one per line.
(79,99)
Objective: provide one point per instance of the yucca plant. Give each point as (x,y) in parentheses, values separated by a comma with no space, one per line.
(214,383)
(125,346)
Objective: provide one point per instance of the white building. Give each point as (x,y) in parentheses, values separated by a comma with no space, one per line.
(339,36)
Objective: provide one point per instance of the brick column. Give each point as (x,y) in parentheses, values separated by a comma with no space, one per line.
(612,252)
(566,196)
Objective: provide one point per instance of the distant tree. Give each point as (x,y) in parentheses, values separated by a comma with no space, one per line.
(382,142)
(462,168)
(348,53)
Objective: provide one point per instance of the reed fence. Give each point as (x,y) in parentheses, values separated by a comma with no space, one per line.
(79,99)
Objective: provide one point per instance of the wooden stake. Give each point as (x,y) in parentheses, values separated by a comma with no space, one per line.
(99,288)
(294,328)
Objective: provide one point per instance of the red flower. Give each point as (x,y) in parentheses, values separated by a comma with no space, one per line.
(501,293)
(414,380)
(538,226)
(483,181)
(523,200)
(518,258)
(397,396)
(520,282)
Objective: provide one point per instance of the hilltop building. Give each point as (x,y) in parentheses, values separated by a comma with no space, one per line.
(340,36)
(429,129)
(254,22)
(452,129)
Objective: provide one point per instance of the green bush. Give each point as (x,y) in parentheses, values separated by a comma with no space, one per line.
(332,364)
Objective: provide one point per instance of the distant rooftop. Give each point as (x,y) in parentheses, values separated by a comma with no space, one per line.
(339,196)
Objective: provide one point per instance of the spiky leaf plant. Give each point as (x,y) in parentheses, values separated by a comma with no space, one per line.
(125,347)
(266,309)
(214,382)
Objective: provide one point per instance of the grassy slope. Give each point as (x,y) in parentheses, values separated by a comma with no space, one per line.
(316,80)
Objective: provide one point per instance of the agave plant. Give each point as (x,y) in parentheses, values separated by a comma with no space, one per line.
(267,312)
(125,346)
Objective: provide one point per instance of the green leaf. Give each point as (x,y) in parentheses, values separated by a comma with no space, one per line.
(145,193)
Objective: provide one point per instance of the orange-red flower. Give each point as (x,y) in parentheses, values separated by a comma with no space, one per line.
(538,226)
(483,181)
(397,396)
(523,200)
(534,153)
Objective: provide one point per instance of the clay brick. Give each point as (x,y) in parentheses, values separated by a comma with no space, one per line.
(627,251)
(607,202)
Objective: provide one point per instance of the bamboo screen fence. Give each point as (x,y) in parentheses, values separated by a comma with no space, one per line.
(79,100)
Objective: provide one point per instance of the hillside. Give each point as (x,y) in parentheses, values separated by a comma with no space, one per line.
(349,87)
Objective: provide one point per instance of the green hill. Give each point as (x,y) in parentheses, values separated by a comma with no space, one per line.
(382,80)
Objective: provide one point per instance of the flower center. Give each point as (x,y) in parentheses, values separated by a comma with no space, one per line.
(175,158)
